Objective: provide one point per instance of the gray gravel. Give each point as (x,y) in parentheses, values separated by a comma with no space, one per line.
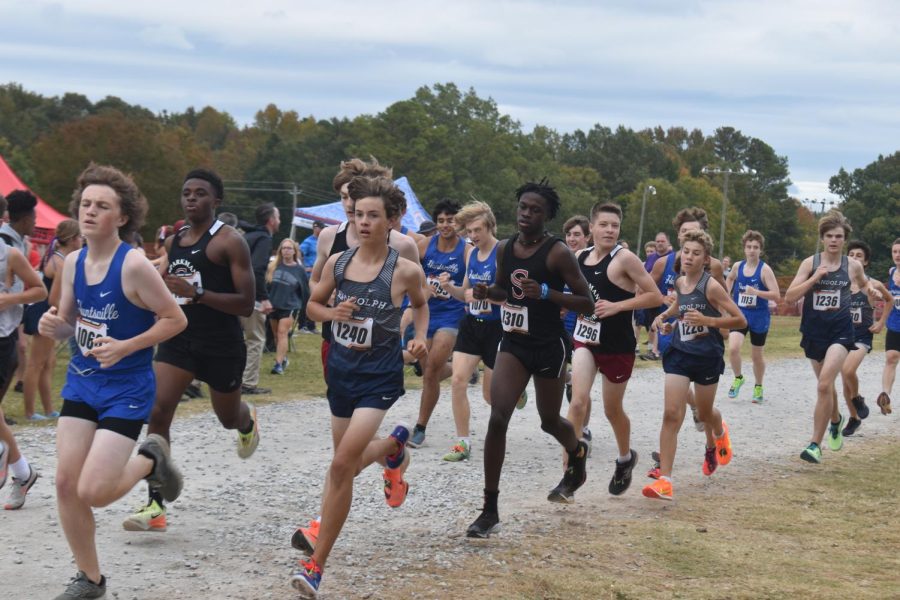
(229,533)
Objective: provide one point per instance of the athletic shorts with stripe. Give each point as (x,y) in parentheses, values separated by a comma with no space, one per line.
(542,358)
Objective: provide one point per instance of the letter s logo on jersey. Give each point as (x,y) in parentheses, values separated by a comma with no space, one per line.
(516,278)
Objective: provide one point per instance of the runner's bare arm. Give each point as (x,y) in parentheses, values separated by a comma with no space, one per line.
(323,249)
(768,278)
(563,262)
(240,302)
(34,288)
(404,245)
(717,271)
(803,281)
(659,267)
(732,276)
(494,292)
(414,282)
(648,295)
(59,323)
(878,325)
(317,308)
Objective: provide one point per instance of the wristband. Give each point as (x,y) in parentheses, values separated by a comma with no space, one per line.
(545,291)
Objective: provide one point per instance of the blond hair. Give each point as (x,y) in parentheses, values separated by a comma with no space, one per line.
(476,210)
(274,264)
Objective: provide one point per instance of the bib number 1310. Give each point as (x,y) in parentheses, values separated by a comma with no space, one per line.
(514,318)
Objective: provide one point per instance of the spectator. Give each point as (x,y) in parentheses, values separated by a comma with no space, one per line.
(288,291)
(427,228)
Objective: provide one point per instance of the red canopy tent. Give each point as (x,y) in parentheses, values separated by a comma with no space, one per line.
(47,217)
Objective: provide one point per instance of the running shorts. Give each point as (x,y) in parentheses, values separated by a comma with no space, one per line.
(702,370)
(541,358)
(615,367)
(219,364)
(479,337)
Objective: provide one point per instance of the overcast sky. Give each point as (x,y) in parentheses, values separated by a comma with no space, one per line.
(818,81)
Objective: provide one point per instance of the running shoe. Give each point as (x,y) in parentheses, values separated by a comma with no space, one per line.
(884,403)
(859,403)
(400,435)
(588,438)
(758,394)
(473,379)
(149,518)
(621,479)
(306,578)
(417,438)
(698,424)
(278,369)
(812,453)
(20,489)
(569,392)
(835,437)
(247,442)
(53,415)
(653,473)
(37,417)
(165,478)
(723,446)
(735,388)
(852,426)
(395,487)
(710,462)
(486,524)
(573,478)
(80,587)
(417,368)
(523,400)
(305,538)
(254,390)
(661,489)
(4,459)
(458,453)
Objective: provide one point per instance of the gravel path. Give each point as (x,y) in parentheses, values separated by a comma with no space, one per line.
(229,533)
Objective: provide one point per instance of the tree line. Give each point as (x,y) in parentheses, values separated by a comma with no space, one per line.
(450,143)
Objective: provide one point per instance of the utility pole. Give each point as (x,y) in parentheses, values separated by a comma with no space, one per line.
(651,190)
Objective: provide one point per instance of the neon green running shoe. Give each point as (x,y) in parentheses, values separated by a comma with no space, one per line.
(835,436)
(247,442)
(757,394)
(523,400)
(812,453)
(458,453)
(736,386)
(149,518)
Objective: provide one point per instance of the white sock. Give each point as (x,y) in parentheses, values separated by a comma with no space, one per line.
(20,469)
(585,431)
(624,459)
(667,478)
(465,441)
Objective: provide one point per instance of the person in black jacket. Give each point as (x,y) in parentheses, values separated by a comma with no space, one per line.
(260,241)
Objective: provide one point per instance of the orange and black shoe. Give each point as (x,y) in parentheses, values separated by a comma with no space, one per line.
(723,446)
(395,487)
(661,489)
(305,538)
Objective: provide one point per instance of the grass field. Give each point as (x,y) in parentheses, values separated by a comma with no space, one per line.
(303,379)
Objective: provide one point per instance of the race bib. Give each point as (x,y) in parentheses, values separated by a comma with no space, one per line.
(355,334)
(514,318)
(896,302)
(194,279)
(437,288)
(86,332)
(856,313)
(691,332)
(587,331)
(826,300)
(479,307)
(747,300)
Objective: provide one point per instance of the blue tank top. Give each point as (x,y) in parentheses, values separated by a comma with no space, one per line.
(370,342)
(571,317)
(667,281)
(861,312)
(483,272)
(826,307)
(697,339)
(442,305)
(893,322)
(755,309)
(103,310)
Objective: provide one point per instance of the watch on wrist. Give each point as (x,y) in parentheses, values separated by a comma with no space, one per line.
(198,293)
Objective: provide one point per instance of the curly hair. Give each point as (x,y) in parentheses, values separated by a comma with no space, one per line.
(378,187)
(701,237)
(356,167)
(687,215)
(543,189)
(132,202)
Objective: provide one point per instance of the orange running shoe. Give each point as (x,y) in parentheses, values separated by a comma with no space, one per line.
(661,489)
(709,461)
(723,446)
(395,488)
(305,538)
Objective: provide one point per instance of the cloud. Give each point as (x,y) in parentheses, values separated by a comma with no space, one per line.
(167,36)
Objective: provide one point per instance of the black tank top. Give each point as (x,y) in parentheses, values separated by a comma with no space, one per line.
(540,320)
(616,335)
(192,263)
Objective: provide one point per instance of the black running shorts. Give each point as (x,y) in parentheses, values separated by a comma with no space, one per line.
(541,358)
(479,337)
(220,365)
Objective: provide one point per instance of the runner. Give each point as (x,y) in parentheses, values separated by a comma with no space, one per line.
(27,288)
(703,307)
(42,353)
(365,366)
(864,327)
(892,339)
(288,291)
(480,331)
(532,268)
(207,272)
(663,249)
(445,252)
(823,281)
(337,238)
(752,285)
(604,340)
(577,230)
(118,307)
